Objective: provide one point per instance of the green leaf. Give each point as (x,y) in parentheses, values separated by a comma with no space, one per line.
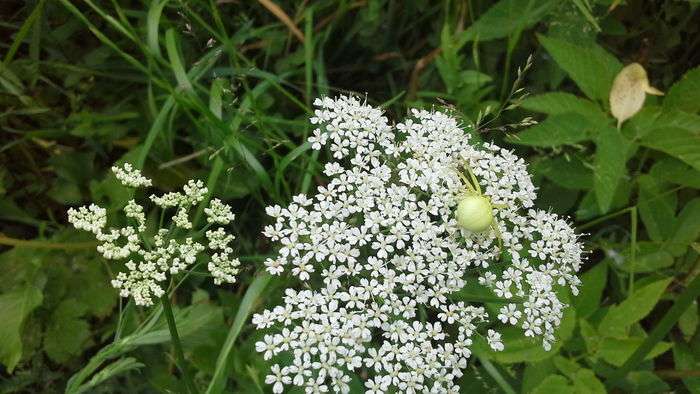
(590,66)
(616,351)
(554,384)
(657,208)
(685,360)
(564,129)
(680,143)
(688,322)
(685,94)
(593,283)
(250,299)
(645,382)
(687,228)
(609,164)
(15,306)
(505,18)
(650,257)
(620,318)
(586,382)
(568,367)
(676,172)
(535,373)
(567,172)
(67,333)
(557,103)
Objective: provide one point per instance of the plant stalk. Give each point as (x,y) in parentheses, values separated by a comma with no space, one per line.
(177,345)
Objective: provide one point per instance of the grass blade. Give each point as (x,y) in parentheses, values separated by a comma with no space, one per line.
(218,381)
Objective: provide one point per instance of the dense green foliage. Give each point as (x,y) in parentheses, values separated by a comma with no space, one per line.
(221,91)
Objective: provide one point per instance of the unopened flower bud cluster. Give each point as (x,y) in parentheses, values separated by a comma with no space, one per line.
(149,260)
(382,241)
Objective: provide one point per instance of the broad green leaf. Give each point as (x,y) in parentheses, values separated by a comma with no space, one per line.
(554,384)
(567,172)
(593,283)
(687,228)
(590,66)
(676,172)
(616,351)
(609,163)
(590,336)
(685,94)
(645,382)
(657,208)
(585,382)
(505,18)
(588,206)
(557,103)
(15,306)
(535,373)
(67,333)
(566,366)
(688,322)
(680,143)
(619,318)
(651,256)
(564,129)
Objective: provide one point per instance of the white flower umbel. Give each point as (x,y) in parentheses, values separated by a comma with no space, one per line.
(150,259)
(384,246)
(130,177)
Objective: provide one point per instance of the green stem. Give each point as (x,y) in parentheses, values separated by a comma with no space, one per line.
(177,345)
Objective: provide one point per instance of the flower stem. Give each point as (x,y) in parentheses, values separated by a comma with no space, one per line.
(177,345)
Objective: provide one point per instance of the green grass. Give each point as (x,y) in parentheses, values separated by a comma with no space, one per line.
(221,91)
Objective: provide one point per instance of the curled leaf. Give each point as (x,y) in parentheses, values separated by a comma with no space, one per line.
(628,92)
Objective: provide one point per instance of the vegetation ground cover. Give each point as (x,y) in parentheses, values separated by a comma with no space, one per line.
(222,91)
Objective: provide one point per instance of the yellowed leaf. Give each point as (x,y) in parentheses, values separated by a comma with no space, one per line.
(629,89)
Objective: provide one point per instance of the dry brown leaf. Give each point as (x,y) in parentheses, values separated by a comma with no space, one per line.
(629,89)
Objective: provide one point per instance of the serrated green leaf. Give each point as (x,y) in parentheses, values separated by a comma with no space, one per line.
(685,94)
(609,163)
(593,283)
(687,228)
(616,351)
(657,208)
(567,172)
(67,333)
(558,103)
(556,130)
(535,373)
(620,318)
(15,306)
(651,256)
(676,172)
(680,143)
(585,382)
(554,384)
(590,66)
(645,382)
(566,366)
(505,18)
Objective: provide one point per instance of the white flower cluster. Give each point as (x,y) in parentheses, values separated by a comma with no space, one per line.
(152,258)
(130,177)
(383,255)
